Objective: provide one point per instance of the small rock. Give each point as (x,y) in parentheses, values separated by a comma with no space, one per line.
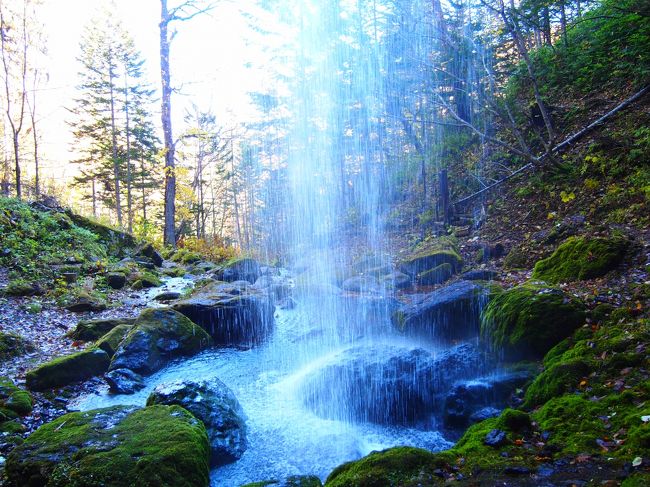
(116,280)
(124,381)
(168,296)
(495,438)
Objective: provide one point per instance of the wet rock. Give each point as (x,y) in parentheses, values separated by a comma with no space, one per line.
(215,404)
(239,270)
(480,275)
(360,284)
(68,369)
(159,336)
(150,252)
(119,446)
(437,252)
(396,280)
(244,319)
(400,385)
(484,395)
(90,330)
(495,438)
(167,296)
(451,312)
(483,414)
(116,280)
(124,381)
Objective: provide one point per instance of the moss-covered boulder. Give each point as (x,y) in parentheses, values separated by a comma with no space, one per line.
(395,466)
(431,254)
(437,275)
(524,322)
(12,345)
(69,369)
(91,330)
(14,402)
(239,269)
(158,336)
(144,280)
(581,258)
(110,342)
(117,446)
(215,404)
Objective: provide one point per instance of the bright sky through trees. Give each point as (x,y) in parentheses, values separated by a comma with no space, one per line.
(217,59)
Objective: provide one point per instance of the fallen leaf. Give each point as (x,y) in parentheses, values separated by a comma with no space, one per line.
(637,462)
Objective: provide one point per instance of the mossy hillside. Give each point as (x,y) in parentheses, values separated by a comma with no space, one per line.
(581,258)
(91,330)
(556,380)
(69,369)
(14,402)
(34,240)
(119,446)
(524,322)
(12,345)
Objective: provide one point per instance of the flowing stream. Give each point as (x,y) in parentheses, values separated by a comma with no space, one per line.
(285,437)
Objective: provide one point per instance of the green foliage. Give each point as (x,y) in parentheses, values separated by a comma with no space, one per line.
(580,258)
(160,446)
(607,48)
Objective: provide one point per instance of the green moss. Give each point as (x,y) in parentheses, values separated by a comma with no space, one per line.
(526,321)
(11,427)
(641,479)
(516,259)
(437,275)
(14,401)
(578,424)
(395,466)
(556,380)
(68,369)
(174,271)
(432,253)
(184,256)
(118,446)
(91,330)
(12,345)
(580,258)
(111,341)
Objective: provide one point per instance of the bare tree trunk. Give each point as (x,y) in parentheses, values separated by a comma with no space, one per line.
(116,162)
(16,125)
(94,199)
(129,202)
(169,235)
(32,113)
(144,193)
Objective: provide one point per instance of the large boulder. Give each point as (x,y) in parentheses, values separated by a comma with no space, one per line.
(231,314)
(239,270)
(387,384)
(91,330)
(68,369)
(119,446)
(214,403)
(449,313)
(150,252)
(580,258)
(526,321)
(110,342)
(159,336)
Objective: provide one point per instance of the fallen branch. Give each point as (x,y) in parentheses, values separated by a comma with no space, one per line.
(570,140)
